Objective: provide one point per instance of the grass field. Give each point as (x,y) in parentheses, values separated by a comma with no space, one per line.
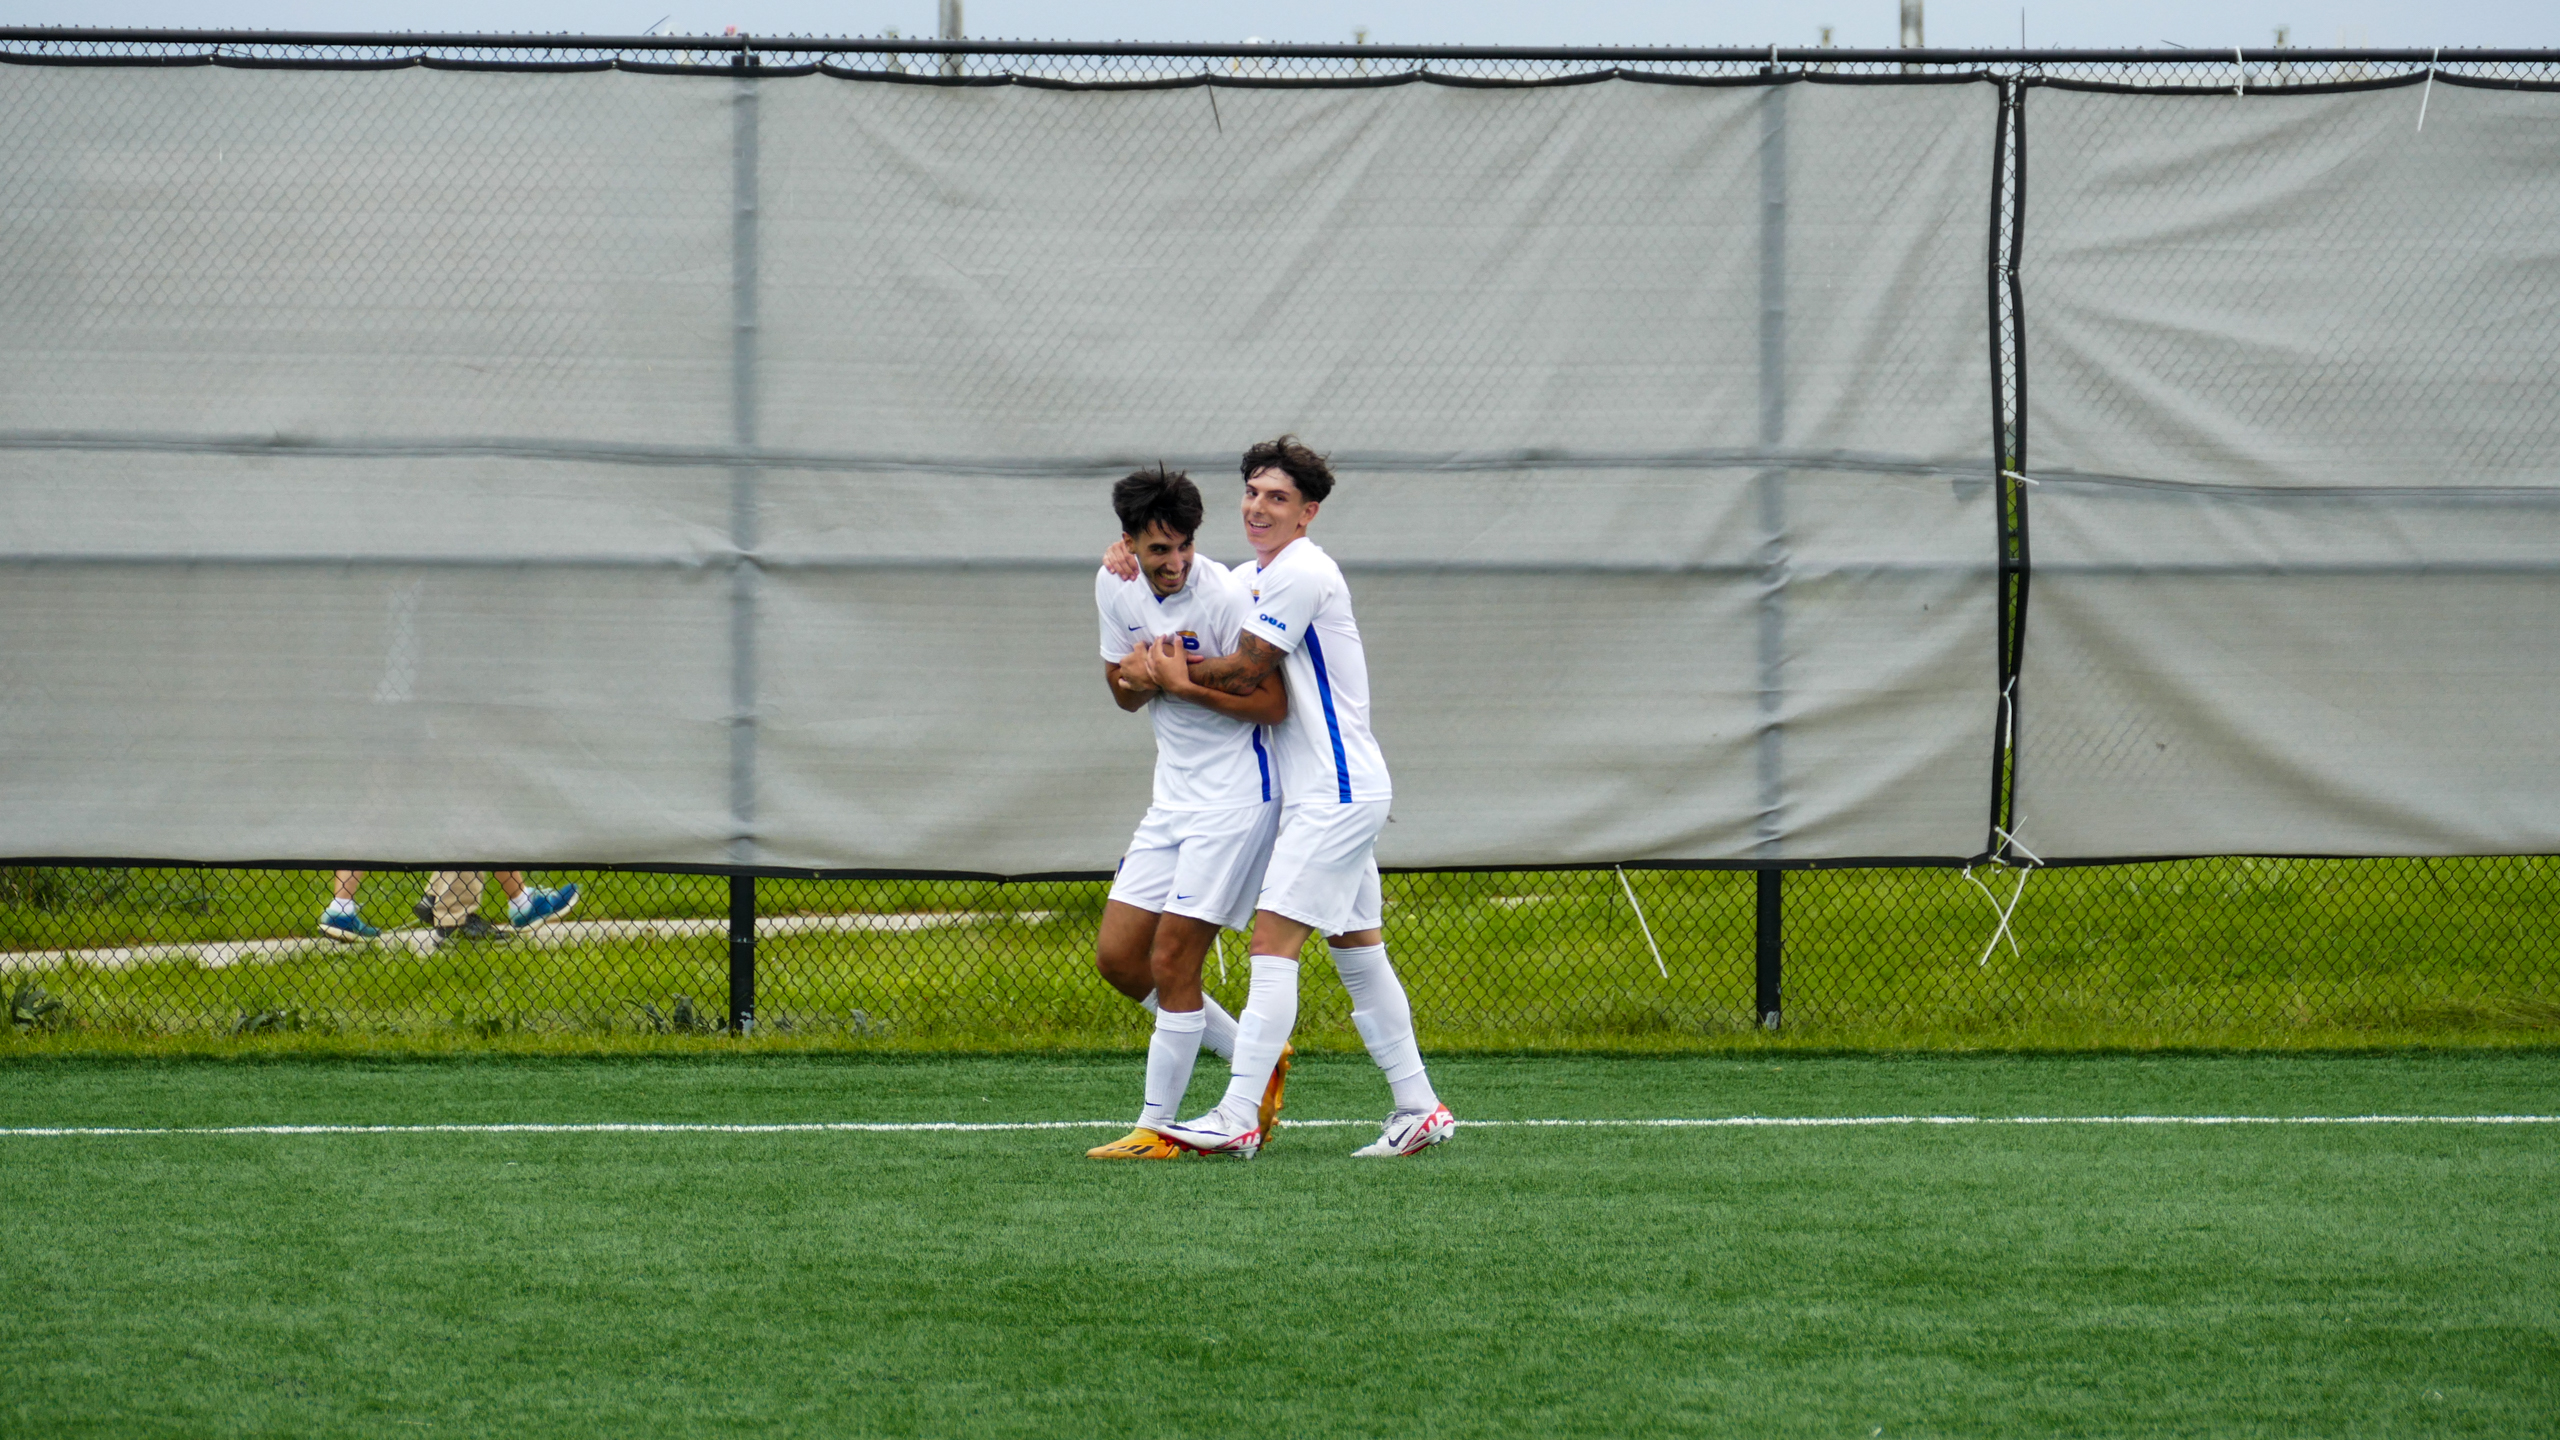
(1863,1281)
(2223,952)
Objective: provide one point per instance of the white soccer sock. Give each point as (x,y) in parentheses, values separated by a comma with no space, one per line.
(1384,1018)
(1170,1056)
(1270,1013)
(1219,1038)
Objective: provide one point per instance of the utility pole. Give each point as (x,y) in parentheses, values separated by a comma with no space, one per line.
(952,29)
(1911,32)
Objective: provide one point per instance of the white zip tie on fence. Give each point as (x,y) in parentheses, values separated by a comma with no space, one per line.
(1640,923)
(2022,479)
(2428,91)
(2014,843)
(2240,84)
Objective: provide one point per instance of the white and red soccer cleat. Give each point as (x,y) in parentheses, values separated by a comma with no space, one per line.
(1410,1131)
(1209,1135)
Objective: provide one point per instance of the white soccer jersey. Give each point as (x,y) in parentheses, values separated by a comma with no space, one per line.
(1204,760)
(1300,604)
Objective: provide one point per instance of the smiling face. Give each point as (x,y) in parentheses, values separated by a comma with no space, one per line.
(1163,557)
(1274,512)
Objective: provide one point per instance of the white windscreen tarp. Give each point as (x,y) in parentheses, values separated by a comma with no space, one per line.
(420,465)
(2295,404)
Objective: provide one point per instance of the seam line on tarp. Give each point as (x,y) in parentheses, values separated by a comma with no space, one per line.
(1073,467)
(2065,480)
(2321,87)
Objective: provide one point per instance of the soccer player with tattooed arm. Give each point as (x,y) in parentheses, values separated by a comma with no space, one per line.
(1323,875)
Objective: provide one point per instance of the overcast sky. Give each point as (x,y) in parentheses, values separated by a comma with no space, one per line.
(2198,23)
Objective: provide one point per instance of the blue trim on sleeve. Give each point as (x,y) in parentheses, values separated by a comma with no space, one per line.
(1333,727)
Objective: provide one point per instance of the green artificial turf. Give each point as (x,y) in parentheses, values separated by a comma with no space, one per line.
(1994,1280)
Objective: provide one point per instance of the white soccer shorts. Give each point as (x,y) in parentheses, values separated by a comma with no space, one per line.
(1324,870)
(1205,864)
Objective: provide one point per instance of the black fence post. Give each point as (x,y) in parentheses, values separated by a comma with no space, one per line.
(742,954)
(1769,932)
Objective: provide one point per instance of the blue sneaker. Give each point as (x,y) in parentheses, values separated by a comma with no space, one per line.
(537,906)
(346,925)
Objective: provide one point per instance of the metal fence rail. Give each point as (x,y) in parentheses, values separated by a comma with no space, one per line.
(1073,62)
(2244,949)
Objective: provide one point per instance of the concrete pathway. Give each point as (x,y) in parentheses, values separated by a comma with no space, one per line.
(420,940)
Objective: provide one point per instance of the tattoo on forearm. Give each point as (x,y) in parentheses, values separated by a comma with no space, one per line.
(1255,659)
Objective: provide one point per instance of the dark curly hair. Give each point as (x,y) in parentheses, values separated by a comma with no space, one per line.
(1158,496)
(1304,467)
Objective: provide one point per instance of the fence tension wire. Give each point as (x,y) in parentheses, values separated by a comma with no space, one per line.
(1641,924)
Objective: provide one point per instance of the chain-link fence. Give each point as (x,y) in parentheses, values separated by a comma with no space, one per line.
(2166,70)
(2198,951)
(2245,949)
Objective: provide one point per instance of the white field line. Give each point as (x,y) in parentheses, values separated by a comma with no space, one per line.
(418,940)
(881,1127)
